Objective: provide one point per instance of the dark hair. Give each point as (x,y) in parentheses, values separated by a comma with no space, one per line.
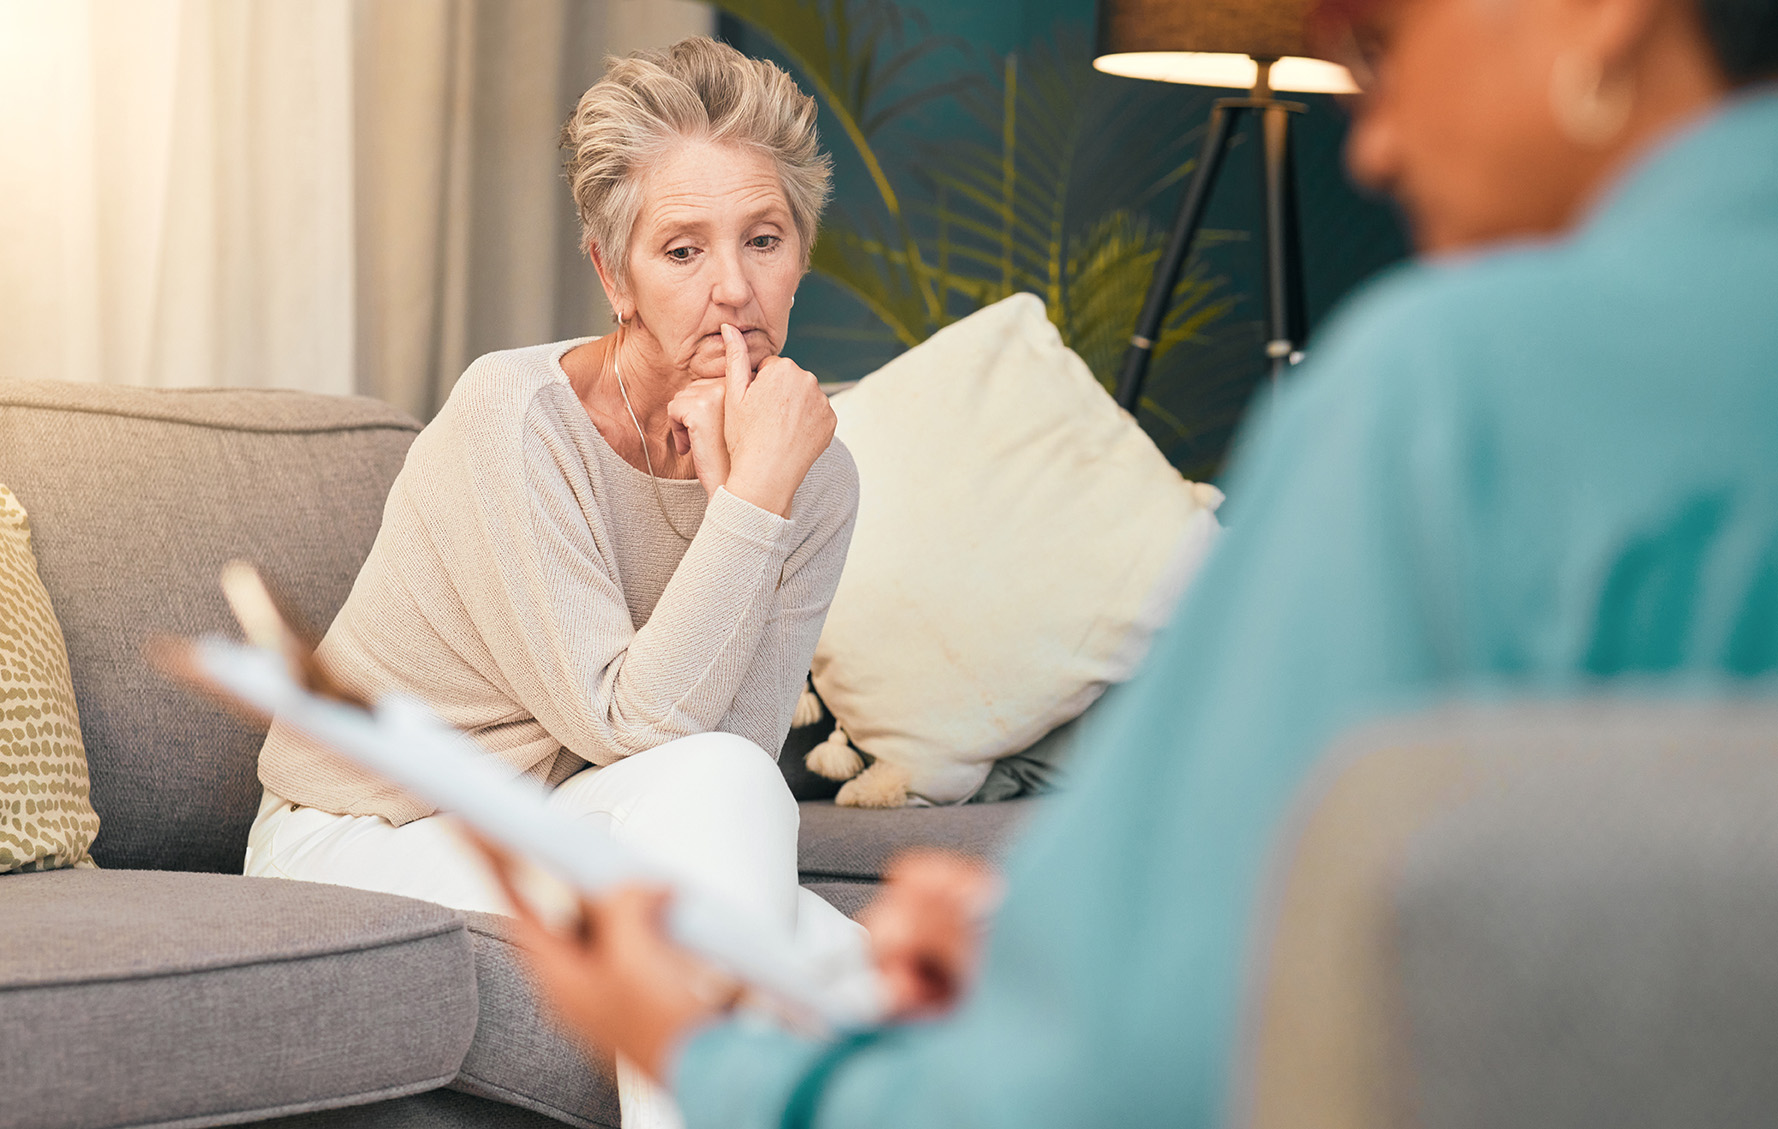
(1744,35)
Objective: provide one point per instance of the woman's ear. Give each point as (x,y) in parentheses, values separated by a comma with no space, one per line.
(618,301)
(1609,34)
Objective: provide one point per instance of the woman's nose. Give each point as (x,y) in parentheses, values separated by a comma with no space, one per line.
(731,286)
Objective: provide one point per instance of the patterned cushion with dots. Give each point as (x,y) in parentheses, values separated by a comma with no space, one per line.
(46,818)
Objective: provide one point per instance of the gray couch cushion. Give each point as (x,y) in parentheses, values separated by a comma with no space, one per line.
(519,1056)
(855,843)
(137,998)
(136,499)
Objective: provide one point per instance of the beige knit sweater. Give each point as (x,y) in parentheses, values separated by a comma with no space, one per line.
(525,583)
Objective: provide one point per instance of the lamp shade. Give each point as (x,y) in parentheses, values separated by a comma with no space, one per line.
(1214,43)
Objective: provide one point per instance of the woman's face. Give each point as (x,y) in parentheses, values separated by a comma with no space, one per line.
(713,243)
(1457,124)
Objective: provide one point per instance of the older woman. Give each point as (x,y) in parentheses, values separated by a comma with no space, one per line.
(1542,461)
(608,560)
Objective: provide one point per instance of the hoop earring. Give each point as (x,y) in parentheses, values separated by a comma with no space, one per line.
(1590,110)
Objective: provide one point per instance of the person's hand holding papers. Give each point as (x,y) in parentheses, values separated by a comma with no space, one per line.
(616,981)
(926,930)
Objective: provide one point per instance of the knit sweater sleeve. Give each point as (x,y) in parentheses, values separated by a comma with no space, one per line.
(533,563)
(824,512)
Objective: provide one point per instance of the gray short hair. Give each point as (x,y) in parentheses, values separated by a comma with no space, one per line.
(696,90)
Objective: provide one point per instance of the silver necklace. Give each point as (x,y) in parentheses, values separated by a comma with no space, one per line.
(659,498)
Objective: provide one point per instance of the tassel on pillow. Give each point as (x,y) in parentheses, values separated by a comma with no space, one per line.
(808,709)
(834,758)
(883,785)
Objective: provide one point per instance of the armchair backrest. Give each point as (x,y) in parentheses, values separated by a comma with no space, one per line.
(1534,915)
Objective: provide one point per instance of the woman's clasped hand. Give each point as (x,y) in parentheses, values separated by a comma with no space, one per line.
(754,431)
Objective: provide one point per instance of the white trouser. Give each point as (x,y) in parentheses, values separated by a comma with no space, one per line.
(713,807)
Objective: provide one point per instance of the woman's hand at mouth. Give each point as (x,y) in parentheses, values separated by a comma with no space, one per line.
(775,423)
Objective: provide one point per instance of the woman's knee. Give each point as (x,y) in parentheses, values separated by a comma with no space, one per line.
(716,782)
(727,769)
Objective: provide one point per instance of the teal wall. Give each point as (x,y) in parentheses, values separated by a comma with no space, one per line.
(1200,390)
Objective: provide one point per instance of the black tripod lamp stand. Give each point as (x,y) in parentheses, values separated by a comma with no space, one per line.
(1258,45)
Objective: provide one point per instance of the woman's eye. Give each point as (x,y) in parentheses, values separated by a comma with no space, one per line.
(680,254)
(764,242)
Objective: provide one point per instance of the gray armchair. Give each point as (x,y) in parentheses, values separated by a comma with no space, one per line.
(1547,915)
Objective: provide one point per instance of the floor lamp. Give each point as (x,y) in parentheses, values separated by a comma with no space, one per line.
(1257,45)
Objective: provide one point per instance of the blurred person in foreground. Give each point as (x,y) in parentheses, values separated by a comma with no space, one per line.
(1543,461)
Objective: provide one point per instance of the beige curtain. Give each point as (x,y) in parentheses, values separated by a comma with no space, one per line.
(334,195)
(175,192)
(467,236)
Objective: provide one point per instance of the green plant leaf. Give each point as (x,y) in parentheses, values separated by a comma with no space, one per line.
(1043,192)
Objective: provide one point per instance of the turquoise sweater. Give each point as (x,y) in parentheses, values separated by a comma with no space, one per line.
(1530,473)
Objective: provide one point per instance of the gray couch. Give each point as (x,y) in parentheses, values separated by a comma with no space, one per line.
(165,989)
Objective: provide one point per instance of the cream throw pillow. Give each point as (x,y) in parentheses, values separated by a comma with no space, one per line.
(46,819)
(1019,541)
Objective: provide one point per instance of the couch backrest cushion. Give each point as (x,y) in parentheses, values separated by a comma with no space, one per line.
(137,497)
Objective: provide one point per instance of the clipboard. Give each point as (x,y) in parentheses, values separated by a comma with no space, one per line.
(400,739)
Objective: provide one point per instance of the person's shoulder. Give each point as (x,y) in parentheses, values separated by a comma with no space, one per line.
(1437,338)
(1423,353)
(506,400)
(507,382)
(1445,308)
(504,428)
